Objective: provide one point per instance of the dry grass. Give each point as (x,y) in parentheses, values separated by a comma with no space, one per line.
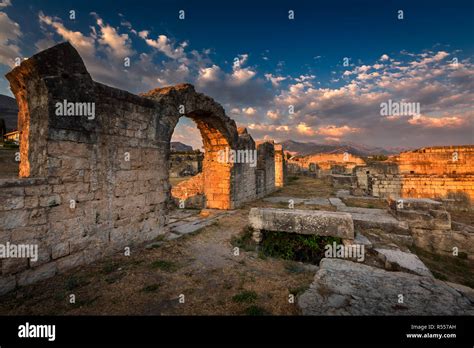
(201,266)
(366,203)
(149,282)
(449,268)
(306,187)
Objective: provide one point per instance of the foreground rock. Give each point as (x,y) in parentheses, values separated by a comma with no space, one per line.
(343,287)
(316,222)
(397,260)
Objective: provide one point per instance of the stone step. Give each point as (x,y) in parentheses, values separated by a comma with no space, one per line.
(311,222)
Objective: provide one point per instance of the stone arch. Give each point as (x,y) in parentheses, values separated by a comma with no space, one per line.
(218,133)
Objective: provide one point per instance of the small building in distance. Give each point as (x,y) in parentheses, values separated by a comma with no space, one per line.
(12,137)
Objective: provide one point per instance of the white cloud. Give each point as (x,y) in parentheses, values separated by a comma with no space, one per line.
(84,44)
(250,111)
(164,45)
(5,3)
(209,74)
(275,80)
(10,34)
(119,45)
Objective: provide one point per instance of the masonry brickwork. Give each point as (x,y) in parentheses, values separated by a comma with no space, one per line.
(433,172)
(90,187)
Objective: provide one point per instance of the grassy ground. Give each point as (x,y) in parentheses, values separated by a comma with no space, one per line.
(203,267)
(366,203)
(306,187)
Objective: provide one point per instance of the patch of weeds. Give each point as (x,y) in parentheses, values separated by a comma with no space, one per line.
(74,282)
(296,247)
(255,311)
(244,241)
(245,297)
(113,278)
(109,267)
(164,265)
(462,255)
(262,256)
(151,288)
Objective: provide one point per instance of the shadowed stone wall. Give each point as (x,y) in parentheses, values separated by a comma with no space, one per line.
(432,172)
(91,186)
(266,167)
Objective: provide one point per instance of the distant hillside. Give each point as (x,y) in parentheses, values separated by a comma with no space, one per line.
(177,146)
(9,112)
(310,148)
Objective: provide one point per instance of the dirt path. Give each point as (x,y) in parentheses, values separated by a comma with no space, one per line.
(200,266)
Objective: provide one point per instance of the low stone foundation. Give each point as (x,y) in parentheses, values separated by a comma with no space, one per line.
(312,222)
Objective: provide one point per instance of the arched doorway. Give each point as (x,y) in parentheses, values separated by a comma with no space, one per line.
(218,133)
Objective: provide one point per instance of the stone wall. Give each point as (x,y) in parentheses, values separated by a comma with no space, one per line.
(429,172)
(385,185)
(190,193)
(91,186)
(362,173)
(280,166)
(418,186)
(185,163)
(266,163)
(326,164)
(245,188)
(439,160)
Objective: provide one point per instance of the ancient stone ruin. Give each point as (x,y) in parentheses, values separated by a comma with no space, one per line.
(94,184)
(445,172)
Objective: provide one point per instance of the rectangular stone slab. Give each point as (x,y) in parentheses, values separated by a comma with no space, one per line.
(311,222)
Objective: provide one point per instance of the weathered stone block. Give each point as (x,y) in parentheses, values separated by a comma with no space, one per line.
(34,275)
(14,265)
(427,220)
(312,222)
(71,261)
(59,250)
(7,284)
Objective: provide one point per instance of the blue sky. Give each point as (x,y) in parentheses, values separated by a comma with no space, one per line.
(280,62)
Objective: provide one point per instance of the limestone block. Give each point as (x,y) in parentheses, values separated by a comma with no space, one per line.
(342,287)
(396,260)
(34,275)
(10,220)
(70,261)
(312,222)
(7,284)
(14,265)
